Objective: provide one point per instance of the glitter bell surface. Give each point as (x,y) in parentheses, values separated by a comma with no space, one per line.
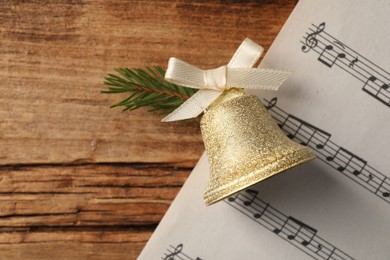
(244,145)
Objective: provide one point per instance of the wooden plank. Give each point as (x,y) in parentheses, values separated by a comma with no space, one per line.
(92,211)
(87,195)
(73,244)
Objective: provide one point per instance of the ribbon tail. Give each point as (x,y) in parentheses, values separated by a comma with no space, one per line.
(253,78)
(194,106)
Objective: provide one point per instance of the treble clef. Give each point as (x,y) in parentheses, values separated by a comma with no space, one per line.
(177,251)
(311,41)
(271,103)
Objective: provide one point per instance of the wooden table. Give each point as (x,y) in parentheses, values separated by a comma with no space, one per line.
(79,180)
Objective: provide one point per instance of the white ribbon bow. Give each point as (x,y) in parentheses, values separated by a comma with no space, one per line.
(211,83)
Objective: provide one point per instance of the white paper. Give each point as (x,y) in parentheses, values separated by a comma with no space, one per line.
(335,207)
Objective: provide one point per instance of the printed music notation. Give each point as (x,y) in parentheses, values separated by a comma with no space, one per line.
(375,80)
(294,231)
(176,253)
(339,158)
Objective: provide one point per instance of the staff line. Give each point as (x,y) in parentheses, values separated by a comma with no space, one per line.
(324,244)
(246,207)
(349,71)
(386,77)
(358,179)
(353,51)
(282,237)
(365,172)
(346,53)
(375,79)
(327,144)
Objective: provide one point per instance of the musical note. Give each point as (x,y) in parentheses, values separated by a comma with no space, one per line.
(385,192)
(248,203)
(376,89)
(311,41)
(360,169)
(302,226)
(260,214)
(309,132)
(317,134)
(344,153)
(371,80)
(313,233)
(297,125)
(384,88)
(352,63)
(233,198)
(357,171)
(321,135)
(278,230)
(330,60)
(253,193)
(177,251)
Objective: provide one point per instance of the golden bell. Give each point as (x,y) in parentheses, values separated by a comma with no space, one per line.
(244,145)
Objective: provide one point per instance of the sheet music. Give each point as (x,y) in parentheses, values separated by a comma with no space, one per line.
(337,102)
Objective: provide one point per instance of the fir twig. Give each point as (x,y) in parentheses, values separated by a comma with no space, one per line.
(147,88)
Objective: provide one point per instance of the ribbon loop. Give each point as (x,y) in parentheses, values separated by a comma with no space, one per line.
(215,78)
(211,83)
(181,73)
(247,54)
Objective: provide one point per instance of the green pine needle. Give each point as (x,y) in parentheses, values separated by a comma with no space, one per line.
(147,88)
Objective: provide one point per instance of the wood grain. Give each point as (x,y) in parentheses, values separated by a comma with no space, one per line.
(73,244)
(79,180)
(87,195)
